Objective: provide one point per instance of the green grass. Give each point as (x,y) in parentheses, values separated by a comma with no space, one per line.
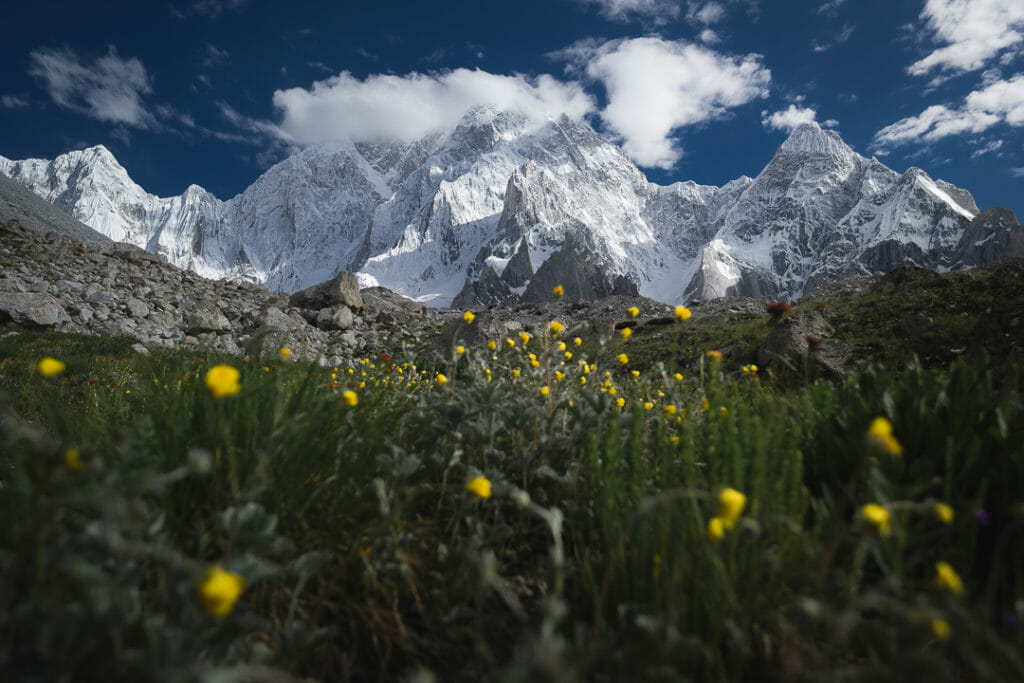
(365,557)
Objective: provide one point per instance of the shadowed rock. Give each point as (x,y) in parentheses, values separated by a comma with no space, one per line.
(342,289)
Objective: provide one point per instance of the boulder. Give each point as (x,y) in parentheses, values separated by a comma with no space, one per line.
(32,309)
(796,341)
(335,318)
(342,289)
(206,321)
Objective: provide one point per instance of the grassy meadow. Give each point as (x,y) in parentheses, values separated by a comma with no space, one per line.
(544,510)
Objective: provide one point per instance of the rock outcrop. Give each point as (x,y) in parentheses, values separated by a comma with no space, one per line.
(52,281)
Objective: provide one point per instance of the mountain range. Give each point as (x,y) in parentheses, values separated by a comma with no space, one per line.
(502,208)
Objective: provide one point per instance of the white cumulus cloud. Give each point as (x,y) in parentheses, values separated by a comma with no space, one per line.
(390,107)
(971,33)
(998,102)
(655,87)
(788,118)
(656,11)
(110,89)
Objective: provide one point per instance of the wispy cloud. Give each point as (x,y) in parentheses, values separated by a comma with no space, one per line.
(830,7)
(840,38)
(706,13)
(214,8)
(1000,101)
(13,101)
(215,56)
(971,33)
(110,89)
(657,12)
(993,146)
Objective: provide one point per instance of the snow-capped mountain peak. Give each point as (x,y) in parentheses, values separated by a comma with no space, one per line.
(502,206)
(811,139)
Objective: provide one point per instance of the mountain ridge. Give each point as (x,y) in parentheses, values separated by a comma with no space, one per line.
(427,219)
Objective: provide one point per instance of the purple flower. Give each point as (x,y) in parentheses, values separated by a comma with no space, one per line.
(982,517)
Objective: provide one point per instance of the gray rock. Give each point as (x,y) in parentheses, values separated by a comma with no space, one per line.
(69,286)
(137,308)
(272,316)
(334,318)
(140,349)
(32,309)
(342,289)
(101,296)
(791,341)
(207,321)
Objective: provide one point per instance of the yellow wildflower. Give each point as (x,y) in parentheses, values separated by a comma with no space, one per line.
(524,337)
(704,404)
(716,530)
(556,327)
(222,381)
(492,345)
(623,358)
(460,349)
(683,313)
(561,346)
(350,398)
(724,411)
(479,487)
(730,506)
(620,402)
(559,375)
(714,355)
(678,377)
(577,341)
(441,379)
(568,355)
(73,459)
(944,512)
(516,372)
(558,291)
(878,517)
(285,353)
(941,629)
(510,343)
(219,591)
(625,332)
(50,367)
(468,317)
(947,579)
(633,311)
(583,380)
(670,410)
(544,390)
(648,405)
(880,434)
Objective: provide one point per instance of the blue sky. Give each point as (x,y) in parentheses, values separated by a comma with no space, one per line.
(213,92)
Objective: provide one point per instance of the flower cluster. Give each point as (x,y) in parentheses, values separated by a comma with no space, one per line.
(730,507)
